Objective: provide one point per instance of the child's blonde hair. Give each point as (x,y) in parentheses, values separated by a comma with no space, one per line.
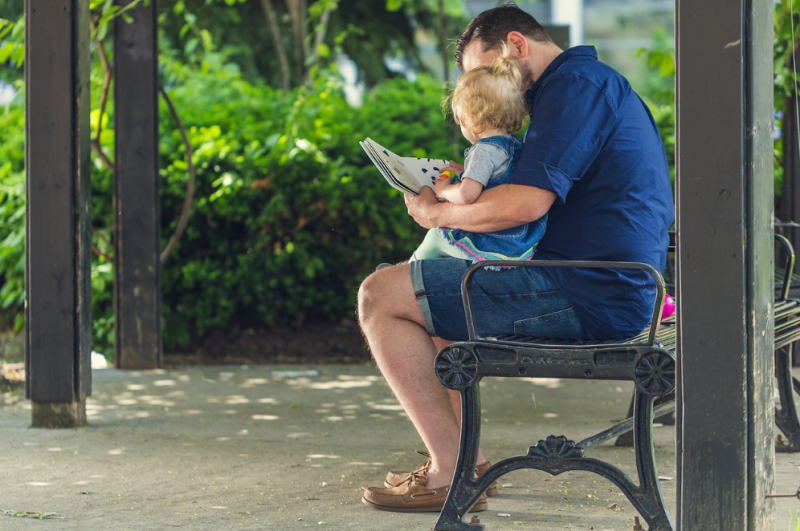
(488,97)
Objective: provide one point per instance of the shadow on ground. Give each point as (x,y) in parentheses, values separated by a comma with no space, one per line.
(278,447)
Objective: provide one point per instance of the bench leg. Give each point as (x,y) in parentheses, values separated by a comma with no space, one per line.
(465,491)
(786,415)
(647,499)
(668,419)
(555,456)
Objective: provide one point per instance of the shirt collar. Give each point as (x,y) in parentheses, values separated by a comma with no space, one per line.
(555,64)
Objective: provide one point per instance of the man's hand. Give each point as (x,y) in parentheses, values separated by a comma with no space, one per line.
(423,207)
(498,208)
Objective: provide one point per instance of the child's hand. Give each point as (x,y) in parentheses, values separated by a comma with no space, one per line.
(454,167)
(441,185)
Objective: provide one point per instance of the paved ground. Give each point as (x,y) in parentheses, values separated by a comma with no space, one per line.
(218,448)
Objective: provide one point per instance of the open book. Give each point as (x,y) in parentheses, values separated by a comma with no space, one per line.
(407,174)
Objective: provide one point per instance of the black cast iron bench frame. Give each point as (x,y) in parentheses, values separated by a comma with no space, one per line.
(787,332)
(647,360)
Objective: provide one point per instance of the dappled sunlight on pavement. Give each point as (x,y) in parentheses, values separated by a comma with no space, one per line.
(289,447)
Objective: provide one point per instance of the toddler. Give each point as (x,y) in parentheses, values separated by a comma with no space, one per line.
(488,106)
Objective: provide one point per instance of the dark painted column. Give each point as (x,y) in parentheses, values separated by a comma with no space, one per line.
(137,297)
(725,264)
(58,238)
(790,200)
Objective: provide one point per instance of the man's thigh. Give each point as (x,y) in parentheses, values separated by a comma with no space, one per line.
(519,300)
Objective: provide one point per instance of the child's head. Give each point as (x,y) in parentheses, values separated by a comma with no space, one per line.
(487,98)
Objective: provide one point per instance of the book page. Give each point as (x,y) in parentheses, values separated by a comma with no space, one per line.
(409,172)
(423,171)
(387,172)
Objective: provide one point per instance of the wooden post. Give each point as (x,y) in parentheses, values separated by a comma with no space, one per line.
(58,238)
(790,200)
(137,296)
(725,264)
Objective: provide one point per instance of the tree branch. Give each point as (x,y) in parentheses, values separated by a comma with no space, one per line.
(96,249)
(277,39)
(321,29)
(103,157)
(304,222)
(98,252)
(109,74)
(187,202)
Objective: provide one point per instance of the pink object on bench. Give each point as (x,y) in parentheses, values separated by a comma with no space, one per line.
(669,306)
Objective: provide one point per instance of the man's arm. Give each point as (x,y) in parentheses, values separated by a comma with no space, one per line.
(501,207)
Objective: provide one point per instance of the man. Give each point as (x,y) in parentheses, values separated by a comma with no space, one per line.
(594,159)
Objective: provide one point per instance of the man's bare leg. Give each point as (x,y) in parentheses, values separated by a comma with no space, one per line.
(455,396)
(392,323)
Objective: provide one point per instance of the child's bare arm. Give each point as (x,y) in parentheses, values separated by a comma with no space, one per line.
(462,193)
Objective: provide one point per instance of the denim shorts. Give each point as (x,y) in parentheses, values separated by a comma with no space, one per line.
(516,300)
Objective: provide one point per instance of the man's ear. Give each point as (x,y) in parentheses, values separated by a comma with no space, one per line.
(517,44)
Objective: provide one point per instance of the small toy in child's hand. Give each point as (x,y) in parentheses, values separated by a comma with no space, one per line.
(447,174)
(669,306)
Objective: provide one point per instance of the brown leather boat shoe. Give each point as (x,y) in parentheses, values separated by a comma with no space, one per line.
(413,496)
(397,477)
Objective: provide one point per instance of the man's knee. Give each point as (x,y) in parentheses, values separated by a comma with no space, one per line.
(368,294)
(386,293)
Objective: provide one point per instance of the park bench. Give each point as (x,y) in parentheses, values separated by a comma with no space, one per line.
(786,334)
(647,360)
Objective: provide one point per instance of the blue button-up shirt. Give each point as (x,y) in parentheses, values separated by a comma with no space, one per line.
(593,142)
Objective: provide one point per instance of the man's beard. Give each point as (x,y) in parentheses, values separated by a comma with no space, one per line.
(527,75)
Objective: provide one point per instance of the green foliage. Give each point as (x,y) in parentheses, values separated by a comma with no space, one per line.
(661,98)
(12,214)
(12,50)
(786,34)
(105,11)
(240,29)
(289,214)
(783,67)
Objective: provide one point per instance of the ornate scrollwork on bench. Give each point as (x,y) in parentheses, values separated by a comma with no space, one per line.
(456,368)
(655,374)
(555,449)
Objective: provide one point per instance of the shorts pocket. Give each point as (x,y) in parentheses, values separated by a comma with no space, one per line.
(562,324)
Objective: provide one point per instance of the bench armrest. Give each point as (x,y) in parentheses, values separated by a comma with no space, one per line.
(652,271)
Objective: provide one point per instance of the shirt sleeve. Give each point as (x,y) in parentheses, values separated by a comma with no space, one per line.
(571,119)
(480,163)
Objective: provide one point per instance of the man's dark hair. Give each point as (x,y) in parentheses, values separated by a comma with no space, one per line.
(493,26)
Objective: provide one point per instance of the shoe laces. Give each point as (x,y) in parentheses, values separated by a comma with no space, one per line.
(418,476)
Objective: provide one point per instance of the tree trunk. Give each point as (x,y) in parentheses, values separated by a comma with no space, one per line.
(298,9)
(443,42)
(277,38)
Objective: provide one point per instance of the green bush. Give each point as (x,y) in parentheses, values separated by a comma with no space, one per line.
(289,214)
(12,213)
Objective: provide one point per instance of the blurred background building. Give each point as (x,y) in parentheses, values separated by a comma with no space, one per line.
(617,28)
